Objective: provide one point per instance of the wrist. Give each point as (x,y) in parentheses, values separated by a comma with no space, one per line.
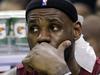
(59,71)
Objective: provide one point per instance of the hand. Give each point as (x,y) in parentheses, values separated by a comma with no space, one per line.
(47,59)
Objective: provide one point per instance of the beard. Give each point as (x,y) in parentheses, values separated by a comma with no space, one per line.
(70,59)
(69,52)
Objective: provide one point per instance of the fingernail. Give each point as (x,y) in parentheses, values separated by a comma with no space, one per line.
(68,43)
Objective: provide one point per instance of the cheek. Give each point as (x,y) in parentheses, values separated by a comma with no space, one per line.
(31,40)
(58,38)
(69,33)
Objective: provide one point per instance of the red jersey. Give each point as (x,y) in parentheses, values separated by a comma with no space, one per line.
(96,71)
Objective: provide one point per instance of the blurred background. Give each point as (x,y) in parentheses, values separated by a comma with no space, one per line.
(13,29)
(13,39)
(13,4)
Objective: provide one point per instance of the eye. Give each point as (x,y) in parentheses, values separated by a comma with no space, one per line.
(34,29)
(55,27)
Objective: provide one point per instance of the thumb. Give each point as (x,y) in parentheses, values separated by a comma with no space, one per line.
(64,45)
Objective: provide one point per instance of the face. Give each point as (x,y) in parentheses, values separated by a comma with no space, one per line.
(49,25)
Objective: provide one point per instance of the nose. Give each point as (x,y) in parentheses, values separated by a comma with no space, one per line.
(44,36)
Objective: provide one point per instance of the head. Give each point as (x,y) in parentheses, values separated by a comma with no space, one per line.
(91,29)
(53,22)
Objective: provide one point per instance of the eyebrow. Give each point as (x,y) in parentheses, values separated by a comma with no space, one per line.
(32,20)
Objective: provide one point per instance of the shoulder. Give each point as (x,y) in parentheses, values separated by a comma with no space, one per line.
(96,70)
(97,66)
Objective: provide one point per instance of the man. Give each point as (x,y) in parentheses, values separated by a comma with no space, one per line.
(48,29)
(52,31)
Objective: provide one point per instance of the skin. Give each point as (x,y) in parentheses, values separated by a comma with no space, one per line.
(48,30)
(91,30)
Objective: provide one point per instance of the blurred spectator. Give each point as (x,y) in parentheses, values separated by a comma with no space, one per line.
(91,31)
(13,4)
(85,7)
(98,7)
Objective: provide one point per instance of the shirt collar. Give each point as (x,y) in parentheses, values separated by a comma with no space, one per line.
(84,54)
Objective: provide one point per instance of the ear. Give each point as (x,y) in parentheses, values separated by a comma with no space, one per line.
(77,30)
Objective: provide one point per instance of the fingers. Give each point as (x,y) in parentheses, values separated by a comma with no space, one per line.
(26,63)
(64,45)
(43,54)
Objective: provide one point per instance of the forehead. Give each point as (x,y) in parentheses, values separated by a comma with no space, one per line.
(49,13)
